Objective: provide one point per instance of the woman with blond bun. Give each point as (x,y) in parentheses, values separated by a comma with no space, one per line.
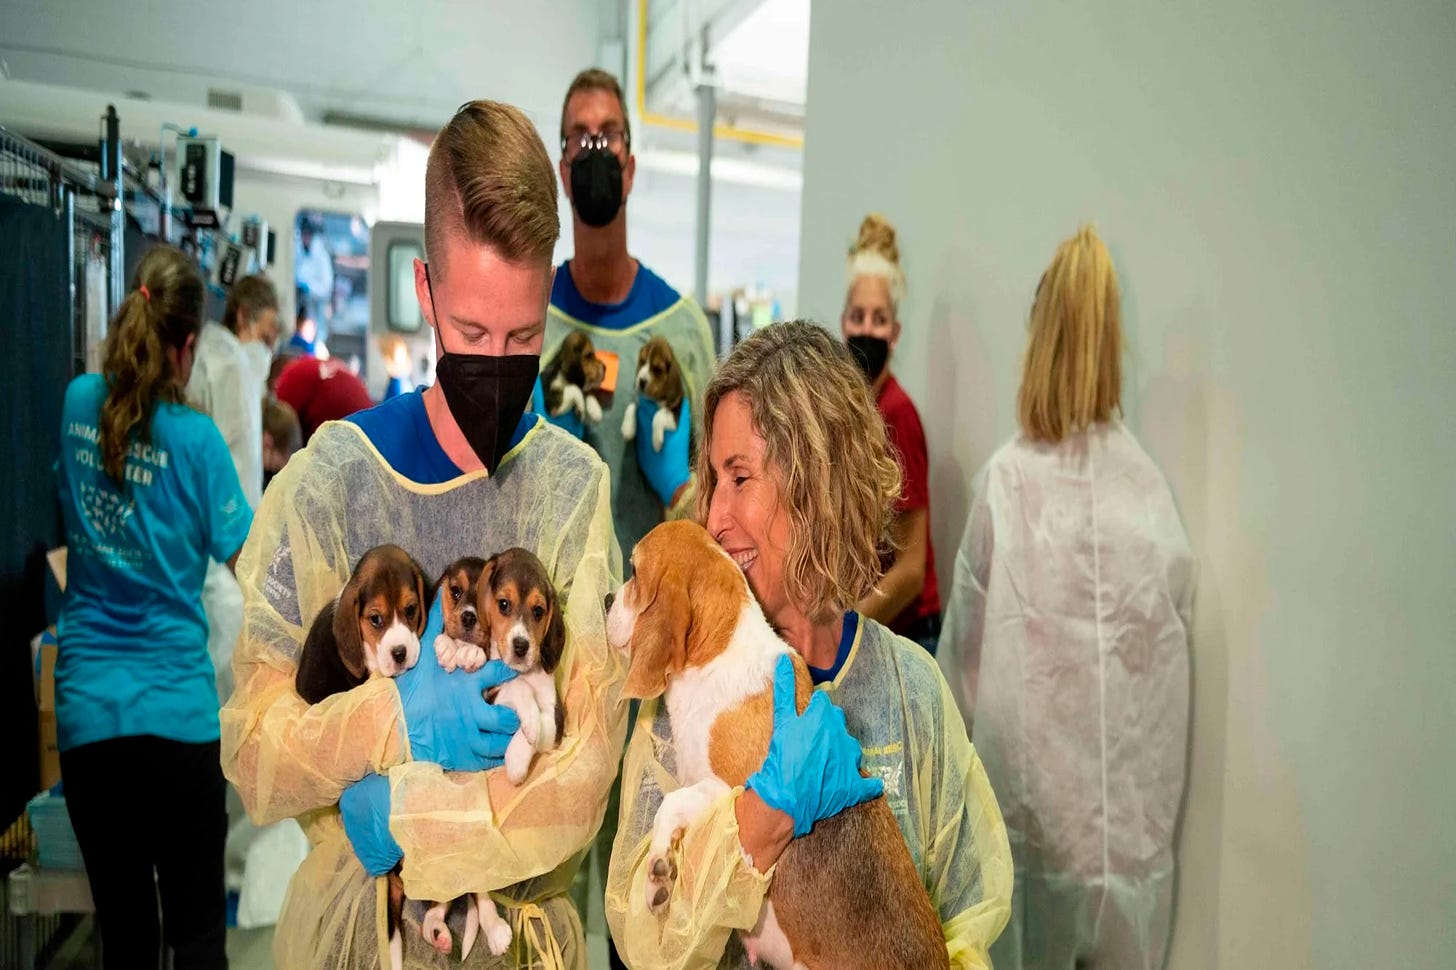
(149,495)
(907,598)
(795,483)
(1066,642)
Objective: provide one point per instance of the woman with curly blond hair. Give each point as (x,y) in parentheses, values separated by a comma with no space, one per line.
(796,483)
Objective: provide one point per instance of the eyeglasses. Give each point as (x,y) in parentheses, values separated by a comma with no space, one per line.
(616,141)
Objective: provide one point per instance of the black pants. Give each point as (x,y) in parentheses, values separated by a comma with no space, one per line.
(150,817)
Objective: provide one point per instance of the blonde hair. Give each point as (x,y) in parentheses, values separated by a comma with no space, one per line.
(826,443)
(1072,377)
(876,253)
(163,309)
(489,177)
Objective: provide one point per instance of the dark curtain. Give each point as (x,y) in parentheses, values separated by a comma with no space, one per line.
(35,307)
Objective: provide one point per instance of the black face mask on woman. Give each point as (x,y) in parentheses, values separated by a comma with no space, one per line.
(487,395)
(596,186)
(870,353)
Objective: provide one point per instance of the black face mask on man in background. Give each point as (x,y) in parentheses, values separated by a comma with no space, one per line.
(596,186)
(870,353)
(487,394)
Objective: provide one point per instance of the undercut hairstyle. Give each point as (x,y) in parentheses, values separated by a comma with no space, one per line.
(1072,376)
(490,181)
(827,450)
(596,79)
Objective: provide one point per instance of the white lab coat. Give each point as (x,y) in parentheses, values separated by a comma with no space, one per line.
(228,383)
(1066,643)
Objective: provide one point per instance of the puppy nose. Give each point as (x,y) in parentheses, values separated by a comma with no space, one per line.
(611,598)
(398,653)
(641,383)
(520,645)
(467,619)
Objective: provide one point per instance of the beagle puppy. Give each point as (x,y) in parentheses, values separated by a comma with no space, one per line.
(660,378)
(845,895)
(571,377)
(373,628)
(458,644)
(506,609)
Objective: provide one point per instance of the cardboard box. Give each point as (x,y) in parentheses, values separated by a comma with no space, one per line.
(50,752)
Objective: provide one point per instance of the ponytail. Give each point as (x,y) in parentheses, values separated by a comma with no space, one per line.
(163,309)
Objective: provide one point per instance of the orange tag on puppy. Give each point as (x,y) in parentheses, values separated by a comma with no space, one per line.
(610,363)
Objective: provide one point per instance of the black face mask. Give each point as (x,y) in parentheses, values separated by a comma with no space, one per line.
(870,353)
(487,395)
(596,186)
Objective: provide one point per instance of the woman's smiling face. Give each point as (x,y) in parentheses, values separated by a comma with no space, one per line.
(745,512)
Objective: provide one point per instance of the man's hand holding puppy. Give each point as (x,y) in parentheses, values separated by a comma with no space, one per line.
(449,722)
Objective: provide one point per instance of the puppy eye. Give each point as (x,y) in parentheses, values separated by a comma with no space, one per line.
(537,613)
(455,592)
(376,621)
(409,612)
(505,607)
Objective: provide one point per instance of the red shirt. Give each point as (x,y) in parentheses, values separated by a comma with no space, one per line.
(321,390)
(907,437)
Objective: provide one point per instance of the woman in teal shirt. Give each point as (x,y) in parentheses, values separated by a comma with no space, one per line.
(149,494)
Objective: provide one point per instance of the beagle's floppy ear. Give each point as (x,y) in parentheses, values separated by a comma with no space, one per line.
(348,639)
(422,604)
(659,635)
(553,644)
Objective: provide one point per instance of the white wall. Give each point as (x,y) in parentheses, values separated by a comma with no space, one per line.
(411,62)
(1276,184)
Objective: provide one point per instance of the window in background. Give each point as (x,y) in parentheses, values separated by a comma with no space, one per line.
(331,280)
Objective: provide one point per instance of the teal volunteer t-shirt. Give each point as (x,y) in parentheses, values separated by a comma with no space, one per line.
(133,638)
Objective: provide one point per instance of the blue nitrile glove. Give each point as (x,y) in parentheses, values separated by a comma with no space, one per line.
(365,808)
(812,768)
(569,421)
(666,470)
(448,720)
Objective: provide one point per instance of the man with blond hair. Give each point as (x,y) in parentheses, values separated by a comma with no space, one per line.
(458,469)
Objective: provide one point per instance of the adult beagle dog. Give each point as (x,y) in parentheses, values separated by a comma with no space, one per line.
(845,895)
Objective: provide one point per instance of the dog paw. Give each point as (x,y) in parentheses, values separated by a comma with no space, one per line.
(661,876)
(593,410)
(470,658)
(434,930)
(518,758)
(498,938)
(445,651)
(629,422)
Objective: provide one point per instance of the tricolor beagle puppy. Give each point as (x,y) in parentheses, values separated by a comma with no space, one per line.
(660,378)
(845,895)
(571,377)
(373,628)
(503,609)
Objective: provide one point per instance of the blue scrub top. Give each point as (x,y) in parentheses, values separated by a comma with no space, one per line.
(824,675)
(133,637)
(399,429)
(649,296)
